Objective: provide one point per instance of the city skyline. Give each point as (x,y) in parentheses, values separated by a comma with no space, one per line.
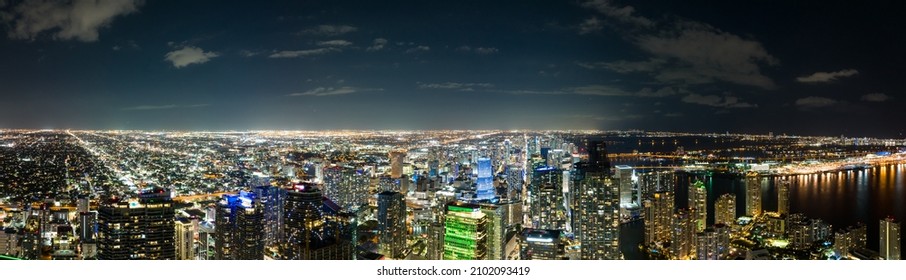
(806,68)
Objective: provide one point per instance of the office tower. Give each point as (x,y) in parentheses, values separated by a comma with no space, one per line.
(137,229)
(240,227)
(496,215)
(623,176)
(698,202)
(484,189)
(890,239)
(465,232)
(391,217)
(515,181)
(87,227)
(598,211)
(725,209)
(396,163)
(713,243)
(271,199)
(656,181)
(546,194)
(185,239)
(783,197)
(849,239)
(206,241)
(659,218)
(308,232)
(435,241)
(539,244)
(347,186)
(753,195)
(683,239)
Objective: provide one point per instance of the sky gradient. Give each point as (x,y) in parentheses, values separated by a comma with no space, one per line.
(815,68)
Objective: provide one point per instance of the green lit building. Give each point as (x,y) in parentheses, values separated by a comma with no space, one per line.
(465,232)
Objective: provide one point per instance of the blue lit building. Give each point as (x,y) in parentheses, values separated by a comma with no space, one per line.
(485,183)
(239,226)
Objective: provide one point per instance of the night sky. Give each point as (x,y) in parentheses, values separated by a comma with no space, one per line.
(795,67)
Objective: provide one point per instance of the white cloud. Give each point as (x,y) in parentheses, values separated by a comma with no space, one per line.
(478,50)
(704,54)
(329,30)
(481,50)
(300,53)
(162,107)
(456,86)
(875,97)
(65,20)
(717,101)
(418,49)
(331,91)
(248,53)
(622,14)
(188,55)
(693,52)
(815,101)
(622,66)
(335,43)
(378,44)
(590,25)
(823,77)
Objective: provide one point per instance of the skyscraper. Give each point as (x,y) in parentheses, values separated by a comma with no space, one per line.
(659,218)
(137,229)
(346,185)
(271,199)
(497,217)
(683,239)
(783,197)
(623,176)
(185,239)
(547,209)
(239,225)
(539,244)
(849,239)
(308,233)
(698,202)
(396,163)
(890,239)
(484,189)
(465,234)
(598,211)
(392,224)
(753,195)
(725,209)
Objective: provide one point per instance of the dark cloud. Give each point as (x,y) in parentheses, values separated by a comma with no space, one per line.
(65,20)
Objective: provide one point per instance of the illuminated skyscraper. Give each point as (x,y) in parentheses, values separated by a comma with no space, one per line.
(465,236)
(308,233)
(623,176)
(656,181)
(725,209)
(484,189)
(239,225)
(598,211)
(713,243)
(683,239)
(659,218)
(698,202)
(347,186)
(496,215)
(271,199)
(396,163)
(539,244)
(890,239)
(849,239)
(783,197)
(753,195)
(185,239)
(137,229)
(392,224)
(546,194)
